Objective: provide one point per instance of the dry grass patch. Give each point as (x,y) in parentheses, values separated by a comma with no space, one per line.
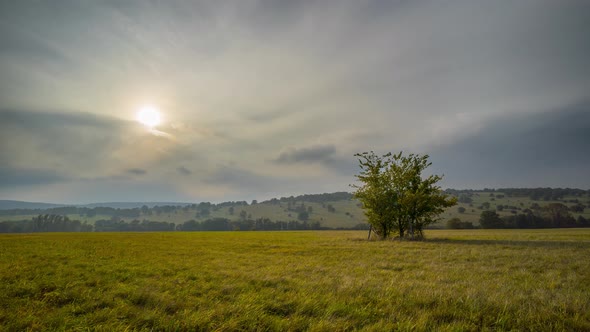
(323,281)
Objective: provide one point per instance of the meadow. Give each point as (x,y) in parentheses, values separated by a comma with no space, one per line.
(459,280)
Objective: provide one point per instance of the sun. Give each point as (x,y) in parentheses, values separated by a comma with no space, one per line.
(149,116)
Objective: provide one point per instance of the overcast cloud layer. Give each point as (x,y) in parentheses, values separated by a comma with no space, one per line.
(271,98)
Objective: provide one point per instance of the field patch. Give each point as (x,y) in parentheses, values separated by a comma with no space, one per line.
(325,280)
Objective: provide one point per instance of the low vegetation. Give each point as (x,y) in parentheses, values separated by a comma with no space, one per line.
(497,280)
(396,197)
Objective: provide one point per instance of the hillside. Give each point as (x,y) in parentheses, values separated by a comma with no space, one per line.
(334,210)
(14,205)
(11,205)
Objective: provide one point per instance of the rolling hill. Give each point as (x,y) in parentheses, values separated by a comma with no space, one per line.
(334,210)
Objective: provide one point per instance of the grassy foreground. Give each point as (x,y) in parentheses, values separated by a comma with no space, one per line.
(323,281)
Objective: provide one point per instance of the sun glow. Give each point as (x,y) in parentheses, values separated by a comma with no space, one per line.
(149,116)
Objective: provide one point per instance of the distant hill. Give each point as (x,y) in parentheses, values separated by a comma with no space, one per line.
(132,205)
(11,205)
(330,210)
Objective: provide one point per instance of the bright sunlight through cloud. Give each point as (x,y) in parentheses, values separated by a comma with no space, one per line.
(149,116)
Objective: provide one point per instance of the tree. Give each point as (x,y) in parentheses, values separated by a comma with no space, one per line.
(456,223)
(578,208)
(395,196)
(558,215)
(464,198)
(376,193)
(303,216)
(490,219)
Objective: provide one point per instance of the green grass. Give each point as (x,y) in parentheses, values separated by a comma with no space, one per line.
(321,281)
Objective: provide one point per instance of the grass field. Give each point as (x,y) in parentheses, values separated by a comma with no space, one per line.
(321,281)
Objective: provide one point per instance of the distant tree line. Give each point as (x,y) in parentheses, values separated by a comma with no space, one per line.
(314,198)
(117,225)
(58,223)
(115,212)
(545,194)
(231,203)
(203,208)
(554,215)
(456,223)
(261,224)
(45,223)
(81,211)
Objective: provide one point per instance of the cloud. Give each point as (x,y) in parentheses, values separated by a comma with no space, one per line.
(69,142)
(136,171)
(547,149)
(47,119)
(238,178)
(234,182)
(240,81)
(17,177)
(183,170)
(82,145)
(319,153)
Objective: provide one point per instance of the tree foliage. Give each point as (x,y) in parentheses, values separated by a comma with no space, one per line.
(456,223)
(554,215)
(490,219)
(395,195)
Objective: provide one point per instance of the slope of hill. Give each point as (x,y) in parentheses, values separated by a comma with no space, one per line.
(23,205)
(335,210)
(133,205)
(11,205)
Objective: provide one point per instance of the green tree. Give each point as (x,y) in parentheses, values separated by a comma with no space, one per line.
(396,197)
(558,215)
(454,223)
(303,216)
(464,198)
(376,192)
(490,219)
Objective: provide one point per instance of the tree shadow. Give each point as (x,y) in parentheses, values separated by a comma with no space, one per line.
(515,243)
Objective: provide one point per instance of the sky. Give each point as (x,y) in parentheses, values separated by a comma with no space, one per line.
(263,99)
